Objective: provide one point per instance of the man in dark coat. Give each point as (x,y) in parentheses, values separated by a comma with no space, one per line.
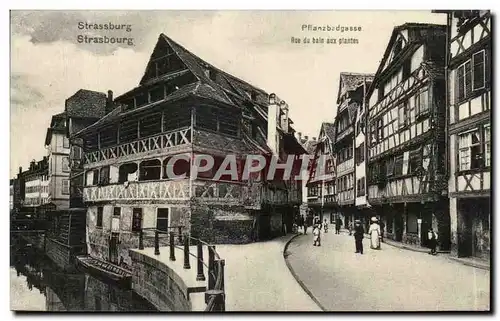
(338,223)
(359,234)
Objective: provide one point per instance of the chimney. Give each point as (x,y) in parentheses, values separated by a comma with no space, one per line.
(272,122)
(20,169)
(306,137)
(314,138)
(284,117)
(300,136)
(109,101)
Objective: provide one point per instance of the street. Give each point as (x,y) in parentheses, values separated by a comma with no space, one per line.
(391,279)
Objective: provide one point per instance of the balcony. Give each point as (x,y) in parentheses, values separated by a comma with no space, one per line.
(204,191)
(165,140)
(149,190)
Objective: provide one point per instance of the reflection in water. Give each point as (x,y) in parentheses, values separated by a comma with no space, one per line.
(38,285)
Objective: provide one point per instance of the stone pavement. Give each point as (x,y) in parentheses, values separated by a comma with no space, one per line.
(391,279)
(257,278)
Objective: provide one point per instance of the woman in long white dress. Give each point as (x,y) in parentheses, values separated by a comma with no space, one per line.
(374,233)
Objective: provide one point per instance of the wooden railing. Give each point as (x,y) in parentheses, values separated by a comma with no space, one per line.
(164,140)
(215,293)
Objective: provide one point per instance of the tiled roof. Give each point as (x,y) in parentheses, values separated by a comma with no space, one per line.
(309,146)
(86,103)
(329,129)
(351,81)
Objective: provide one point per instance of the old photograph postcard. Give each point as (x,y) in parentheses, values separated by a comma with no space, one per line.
(221,161)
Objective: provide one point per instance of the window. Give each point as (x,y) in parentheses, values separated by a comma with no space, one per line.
(360,153)
(471,75)
(469,145)
(157,94)
(390,166)
(76,152)
(422,102)
(104,176)
(65,142)
(380,129)
(65,164)
(150,170)
(99,217)
(415,160)
(403,117)
(162,216)
(479,70)
(136,219)
(117,211)
(360,187)
(487,146)
(65,187)
(141,99)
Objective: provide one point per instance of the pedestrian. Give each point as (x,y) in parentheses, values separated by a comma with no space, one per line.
(382,228)
(325,226)
(305,225)
(375,234)
(350,228)
(317,235)
(432,239)
(338,223)
(359,234)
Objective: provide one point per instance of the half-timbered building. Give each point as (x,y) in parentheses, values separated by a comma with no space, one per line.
(469,128)
(321,183)
(406,135)
(184,107)
(351,95)
(360,148)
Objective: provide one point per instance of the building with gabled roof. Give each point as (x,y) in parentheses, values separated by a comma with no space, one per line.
(351,97)
(406,163)
(321,199)
(184,107)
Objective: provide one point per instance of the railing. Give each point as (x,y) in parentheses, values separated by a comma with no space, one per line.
(164,140)
(215,294)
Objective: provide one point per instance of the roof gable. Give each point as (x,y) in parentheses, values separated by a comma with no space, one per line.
(351,81)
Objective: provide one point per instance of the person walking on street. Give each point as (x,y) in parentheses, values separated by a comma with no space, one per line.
(338,223)
(325,226)
(359,234)
(432,239)
(305,224)
(375,234)
(316,235)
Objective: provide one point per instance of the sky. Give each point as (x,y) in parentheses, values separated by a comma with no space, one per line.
(48,64)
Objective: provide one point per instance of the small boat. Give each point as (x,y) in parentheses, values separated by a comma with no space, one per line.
(105,270)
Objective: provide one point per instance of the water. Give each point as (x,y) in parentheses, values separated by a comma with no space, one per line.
(36,284)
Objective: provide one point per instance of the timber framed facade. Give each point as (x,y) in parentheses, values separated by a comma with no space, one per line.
(351,99)
(321,198)
(184,107)
(407,136)
(469,129)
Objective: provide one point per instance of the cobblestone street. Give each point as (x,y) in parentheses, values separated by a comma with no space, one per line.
(391,279)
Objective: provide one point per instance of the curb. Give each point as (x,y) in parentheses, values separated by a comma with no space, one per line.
(473,264)
(409,248)
(297,277)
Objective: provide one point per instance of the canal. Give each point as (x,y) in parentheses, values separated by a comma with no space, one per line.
(36,284)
